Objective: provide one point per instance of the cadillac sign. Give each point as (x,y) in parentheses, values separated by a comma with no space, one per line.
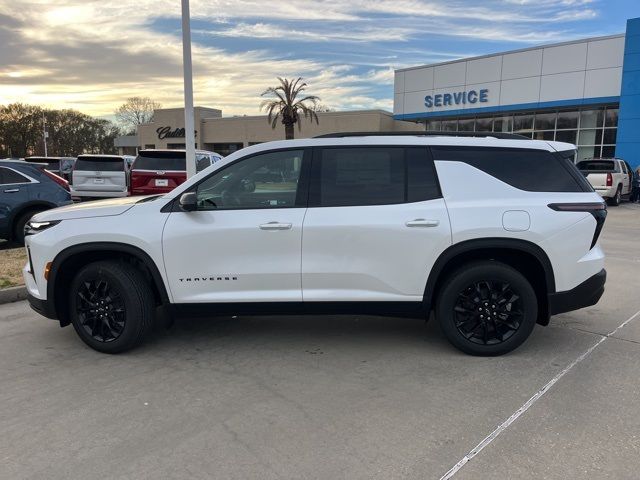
(166,132)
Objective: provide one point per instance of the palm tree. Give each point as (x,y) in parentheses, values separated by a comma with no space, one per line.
(287,107)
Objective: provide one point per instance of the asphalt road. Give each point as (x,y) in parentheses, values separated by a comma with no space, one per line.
(330,397)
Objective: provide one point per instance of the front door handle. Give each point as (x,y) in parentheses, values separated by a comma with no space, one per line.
(12,190)
(422,223)
(275,226)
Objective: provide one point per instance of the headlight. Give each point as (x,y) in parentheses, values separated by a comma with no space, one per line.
(32,227)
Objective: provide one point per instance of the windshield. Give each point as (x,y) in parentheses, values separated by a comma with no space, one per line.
(100,164)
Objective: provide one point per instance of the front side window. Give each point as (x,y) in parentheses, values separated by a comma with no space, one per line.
(268,180)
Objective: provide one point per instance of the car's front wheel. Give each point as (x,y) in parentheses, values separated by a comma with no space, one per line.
(112,306)
(486,308)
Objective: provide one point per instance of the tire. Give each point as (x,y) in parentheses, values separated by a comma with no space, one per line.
(18,227)
(112,306)
(501,329)
(617,198)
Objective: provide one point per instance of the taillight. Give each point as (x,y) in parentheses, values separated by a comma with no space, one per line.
(609,180)
(597,209)
(59,180)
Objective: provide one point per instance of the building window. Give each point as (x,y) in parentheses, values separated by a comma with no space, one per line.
(449,126)
(567,120)
(484,124)
(150,145)
(593,130)
(465,125)
(503,124)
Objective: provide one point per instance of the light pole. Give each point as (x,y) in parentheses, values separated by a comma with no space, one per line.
(45,134)
(190,138)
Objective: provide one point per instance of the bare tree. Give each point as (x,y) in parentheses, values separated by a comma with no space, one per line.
(136,111)
(287,107)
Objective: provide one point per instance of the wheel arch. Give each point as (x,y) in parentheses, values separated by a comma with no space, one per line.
(527,257)
(34,205)
(69,260)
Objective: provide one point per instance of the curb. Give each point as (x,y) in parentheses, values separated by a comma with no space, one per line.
(13,294)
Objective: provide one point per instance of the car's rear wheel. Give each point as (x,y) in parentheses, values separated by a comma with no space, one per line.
(617,198)
(112,306)
(486,308)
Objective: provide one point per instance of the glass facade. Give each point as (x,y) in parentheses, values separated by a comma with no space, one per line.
(592,129)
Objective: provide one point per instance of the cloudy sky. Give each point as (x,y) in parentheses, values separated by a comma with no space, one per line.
(91,55)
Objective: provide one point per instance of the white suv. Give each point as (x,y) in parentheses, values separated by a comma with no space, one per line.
(492,232)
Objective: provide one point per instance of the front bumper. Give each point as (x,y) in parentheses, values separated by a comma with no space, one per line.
(584,295)
(43,307)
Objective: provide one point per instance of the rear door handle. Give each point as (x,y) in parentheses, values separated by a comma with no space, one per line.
(422,223)
(275,226)
(12,190)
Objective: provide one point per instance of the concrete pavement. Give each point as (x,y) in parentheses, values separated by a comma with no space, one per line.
(327,397)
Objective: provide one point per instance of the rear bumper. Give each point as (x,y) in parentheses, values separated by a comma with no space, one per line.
(606,192)
(43,307)
(151,191)
(584,295)
(99,193)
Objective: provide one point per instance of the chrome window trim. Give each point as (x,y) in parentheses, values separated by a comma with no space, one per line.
(31,179)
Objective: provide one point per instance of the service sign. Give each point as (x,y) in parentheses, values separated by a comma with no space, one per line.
(457,98)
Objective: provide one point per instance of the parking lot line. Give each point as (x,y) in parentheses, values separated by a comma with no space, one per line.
(504,425)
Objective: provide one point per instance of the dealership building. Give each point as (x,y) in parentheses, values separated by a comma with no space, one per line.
(585,92)
(225,135)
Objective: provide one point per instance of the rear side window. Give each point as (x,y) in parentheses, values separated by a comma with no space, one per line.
(525,169)
(8,176)
(100,164)
(372,176)
(161,161)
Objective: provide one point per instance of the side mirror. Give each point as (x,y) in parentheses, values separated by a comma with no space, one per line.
(188,201)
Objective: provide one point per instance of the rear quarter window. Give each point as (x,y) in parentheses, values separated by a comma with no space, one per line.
(100,164)
(526,169)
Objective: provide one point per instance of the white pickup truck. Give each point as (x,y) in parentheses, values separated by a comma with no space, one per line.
(610,177)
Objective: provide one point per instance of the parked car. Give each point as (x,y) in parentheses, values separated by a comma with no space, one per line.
(160,171)
(491,231)
(100,176)
(612,178)
(61,166)
(26,189)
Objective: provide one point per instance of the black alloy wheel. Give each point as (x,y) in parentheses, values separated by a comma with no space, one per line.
(486,307)
(112,306)
(488,312)
(101,310)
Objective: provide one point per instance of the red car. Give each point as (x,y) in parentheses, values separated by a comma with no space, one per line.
(160,171)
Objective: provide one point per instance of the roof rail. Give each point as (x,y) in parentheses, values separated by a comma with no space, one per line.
(426,133)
